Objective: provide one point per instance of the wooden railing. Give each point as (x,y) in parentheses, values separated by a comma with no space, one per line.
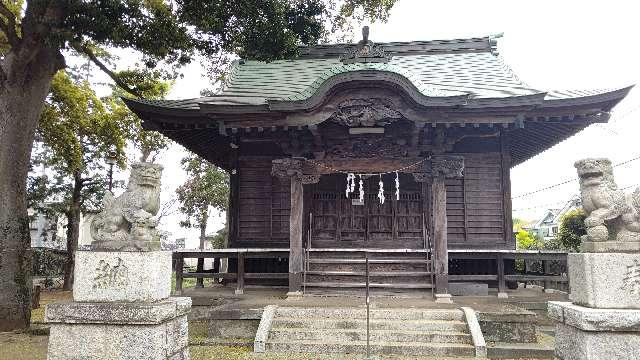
(239,276)
(499,256)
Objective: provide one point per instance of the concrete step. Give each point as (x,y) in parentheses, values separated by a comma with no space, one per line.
(360,347)
(361,313)
(380,335)
(412,325)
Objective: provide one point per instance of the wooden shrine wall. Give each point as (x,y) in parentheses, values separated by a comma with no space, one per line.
(475,209)
(475,205)
(263,205)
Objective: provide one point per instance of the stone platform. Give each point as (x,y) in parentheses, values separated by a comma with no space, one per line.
(119,330)
(595,334)
(121,310)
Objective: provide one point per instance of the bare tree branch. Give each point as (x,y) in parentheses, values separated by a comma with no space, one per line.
(84,49)
(9,28)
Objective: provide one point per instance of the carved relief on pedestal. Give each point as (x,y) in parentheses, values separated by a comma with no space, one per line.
(109,276)
(127,222)
(631,279)
(611,214)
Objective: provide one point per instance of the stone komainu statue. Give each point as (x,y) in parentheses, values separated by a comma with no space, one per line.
(613,218)
(128,222)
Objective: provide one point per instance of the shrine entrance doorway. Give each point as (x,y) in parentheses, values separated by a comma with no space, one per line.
(338,221)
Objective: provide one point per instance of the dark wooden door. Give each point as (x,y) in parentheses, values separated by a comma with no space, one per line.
(341,222)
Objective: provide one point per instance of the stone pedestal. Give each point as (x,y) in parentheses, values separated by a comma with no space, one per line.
(127,276)
(603,319)
(605,280)
(121,310)
(584,333)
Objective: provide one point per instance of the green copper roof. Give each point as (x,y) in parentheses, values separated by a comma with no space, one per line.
(468,70)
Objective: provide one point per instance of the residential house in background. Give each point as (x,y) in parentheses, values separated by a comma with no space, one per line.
(47,232)
(546,228)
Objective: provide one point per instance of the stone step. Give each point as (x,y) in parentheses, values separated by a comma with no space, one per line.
(361,313)
(380,335)
(360,347)
(375,324)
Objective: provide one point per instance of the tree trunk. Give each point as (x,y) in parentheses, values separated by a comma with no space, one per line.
(203,237)
(25,78)
(73,230)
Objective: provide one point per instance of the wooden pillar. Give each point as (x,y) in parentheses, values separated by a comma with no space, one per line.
(506,191)
(179,272)
(439,196)
(509,238)
(291,168)
(240,274)
(502,287)
(295,237)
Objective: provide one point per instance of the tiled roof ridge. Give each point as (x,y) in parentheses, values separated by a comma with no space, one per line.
(462,45)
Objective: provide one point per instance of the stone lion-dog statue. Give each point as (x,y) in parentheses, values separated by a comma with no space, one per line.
(613,218)
(128,222)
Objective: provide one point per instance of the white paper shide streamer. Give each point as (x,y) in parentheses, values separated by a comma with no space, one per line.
(351,184)
(351,187)
(397,186)
(381,190)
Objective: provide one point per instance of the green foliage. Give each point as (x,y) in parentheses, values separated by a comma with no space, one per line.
(571,230)
(519,223)
(526,241)
(47,263)
(206,188)
(77,127)
(151,86)
(174,32)
(219,240)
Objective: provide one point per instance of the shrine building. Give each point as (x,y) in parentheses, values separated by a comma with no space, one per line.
(402,148)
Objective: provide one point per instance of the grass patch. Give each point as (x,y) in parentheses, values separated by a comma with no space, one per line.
(47,297)
(23,346)
(198,331)
(218,352)
(188,283)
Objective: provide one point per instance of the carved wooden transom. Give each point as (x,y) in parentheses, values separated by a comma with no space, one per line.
(365,112)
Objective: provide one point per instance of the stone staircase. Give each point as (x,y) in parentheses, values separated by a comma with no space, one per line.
(414,332)
(390,272)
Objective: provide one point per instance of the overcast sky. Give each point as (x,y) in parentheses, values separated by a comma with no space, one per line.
(549,45)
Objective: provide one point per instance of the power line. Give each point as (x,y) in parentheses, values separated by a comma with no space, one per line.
(568,181)
(540,206)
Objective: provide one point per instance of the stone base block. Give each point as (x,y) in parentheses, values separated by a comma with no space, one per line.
(444,299)
(468,289)
(119,330)
(593,334)
(605,280)
(105,276)
(508,325)
(610,246)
